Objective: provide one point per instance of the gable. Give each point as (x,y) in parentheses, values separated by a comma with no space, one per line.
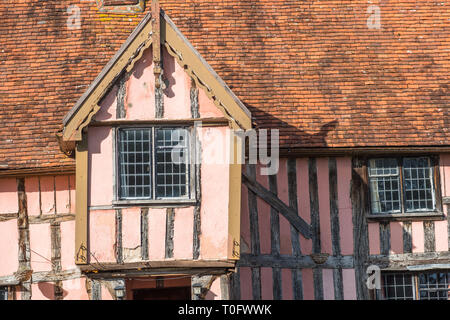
(129,58)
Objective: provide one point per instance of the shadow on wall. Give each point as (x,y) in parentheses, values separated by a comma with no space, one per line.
(48,290)
(292,136)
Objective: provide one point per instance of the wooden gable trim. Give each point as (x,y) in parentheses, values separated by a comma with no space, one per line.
(87,106)
(131,51)
(203,75)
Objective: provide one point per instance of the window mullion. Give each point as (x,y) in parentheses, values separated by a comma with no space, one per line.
(153,151)
(401,182)
(416,287)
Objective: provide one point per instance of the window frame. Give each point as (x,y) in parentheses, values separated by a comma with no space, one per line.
(7,291)
(416,286)
(191,198)
(436,214)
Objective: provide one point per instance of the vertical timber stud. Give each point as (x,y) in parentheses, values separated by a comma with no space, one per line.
(275,241)
(194,101)
(429,237)
(144,233)
(235,285)
(315,225)
(56,257)
(225,284)
(118,244)
(297,281)
(81,193)
(385,238)
(170,220)
(254,234)
(335,230)
(407,239)
(360,209)
(198,188)
(24,240)
(158,65)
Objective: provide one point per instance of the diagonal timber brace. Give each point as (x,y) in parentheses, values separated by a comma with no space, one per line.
(301,225)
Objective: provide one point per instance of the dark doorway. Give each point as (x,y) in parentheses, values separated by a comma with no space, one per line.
(176,293)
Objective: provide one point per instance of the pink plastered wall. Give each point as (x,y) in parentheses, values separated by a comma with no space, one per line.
(139,100)
(214,202)
(215,189)
(139,104)
(344,174)
(8,196)
(9,247)
(303,204)
(45,197)
(102,228)
(417,226)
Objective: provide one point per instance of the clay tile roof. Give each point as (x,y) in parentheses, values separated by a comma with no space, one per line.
(313,69)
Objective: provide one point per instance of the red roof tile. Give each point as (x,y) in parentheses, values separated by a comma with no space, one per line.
(311,68)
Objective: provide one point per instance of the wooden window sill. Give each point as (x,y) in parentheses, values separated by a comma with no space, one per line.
(166,203)
(416,216)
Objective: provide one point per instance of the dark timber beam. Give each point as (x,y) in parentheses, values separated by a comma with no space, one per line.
(269,197)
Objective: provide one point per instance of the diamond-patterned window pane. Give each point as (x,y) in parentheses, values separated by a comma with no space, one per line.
(385,189)
(418,184)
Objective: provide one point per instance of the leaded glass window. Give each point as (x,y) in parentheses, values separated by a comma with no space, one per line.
(153,163)
(401,185)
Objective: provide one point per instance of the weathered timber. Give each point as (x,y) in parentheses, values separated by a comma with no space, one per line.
(144,233)
(194,101)
(118,242)
(429,235)
(360,209)
(401,261)
(335,229)
(225,283)
(407,238)
(334,207)
(8,216)
(121,92)
(235,285)
(197,232)
(96,290)
(198,196)
(291,262)
(51,218)
(254,234)
(144,273)
(275,241)
(315,225)
(282,208)
(24,237)
(43,276)
(297,281)
(170,222)
(385,237)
